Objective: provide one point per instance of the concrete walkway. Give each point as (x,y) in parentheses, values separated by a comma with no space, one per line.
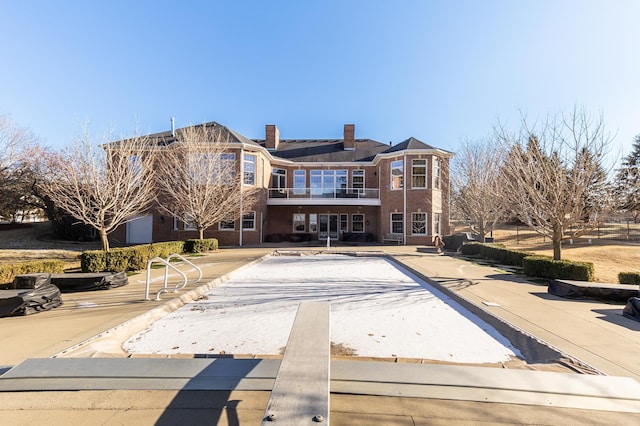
(87,314)
(593,332)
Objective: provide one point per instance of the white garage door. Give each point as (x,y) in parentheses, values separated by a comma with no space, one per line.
(140,230)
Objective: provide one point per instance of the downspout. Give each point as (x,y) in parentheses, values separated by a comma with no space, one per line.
(404,196)
(261,228)
(448,189)
(241,194)
(379,229)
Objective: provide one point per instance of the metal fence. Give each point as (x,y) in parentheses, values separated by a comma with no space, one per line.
(626,230)
(620,230)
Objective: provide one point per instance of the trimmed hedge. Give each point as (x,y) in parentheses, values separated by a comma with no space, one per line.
(495,251)
(471,249)
(198,245)
(545,267)
(166,248)
(8,272)
(629,278)
(503,255)
(132,258)
(534,265)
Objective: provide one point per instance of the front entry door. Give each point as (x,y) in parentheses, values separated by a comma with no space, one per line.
(328,224)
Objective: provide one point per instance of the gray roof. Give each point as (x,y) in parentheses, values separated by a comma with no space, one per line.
(307,150)
(326,150)
(411,143)
(332,150)
(227,134)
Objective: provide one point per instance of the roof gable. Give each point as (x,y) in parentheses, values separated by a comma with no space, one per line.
(411,143)
(168,137)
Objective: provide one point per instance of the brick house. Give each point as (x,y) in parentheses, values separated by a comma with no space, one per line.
(345,189)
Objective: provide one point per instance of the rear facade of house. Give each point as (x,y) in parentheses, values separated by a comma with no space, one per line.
(351,190)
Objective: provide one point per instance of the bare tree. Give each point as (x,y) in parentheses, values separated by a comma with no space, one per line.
(553,174)
(103,186)
(199,179)
(477,191)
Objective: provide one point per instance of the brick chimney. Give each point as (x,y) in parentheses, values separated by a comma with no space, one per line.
(349,137)
(272,137)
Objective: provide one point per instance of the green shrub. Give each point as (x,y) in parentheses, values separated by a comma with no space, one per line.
(503,255)
(495,251)
(8,272)
(199,246)
(132,258)
(93,261)
(166,248)
(629,278)
(117,260)
(545,267)
(471,249)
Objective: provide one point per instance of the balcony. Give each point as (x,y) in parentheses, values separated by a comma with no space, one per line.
(323,196)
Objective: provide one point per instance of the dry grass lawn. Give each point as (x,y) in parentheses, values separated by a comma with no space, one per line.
(35,242)
(608,256)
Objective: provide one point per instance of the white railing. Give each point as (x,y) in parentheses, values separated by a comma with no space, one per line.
(167,265)
(323,193)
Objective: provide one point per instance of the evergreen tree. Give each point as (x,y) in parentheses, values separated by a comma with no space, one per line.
(627,190)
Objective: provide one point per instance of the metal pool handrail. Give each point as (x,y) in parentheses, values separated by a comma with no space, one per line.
(171,256)
(168,265)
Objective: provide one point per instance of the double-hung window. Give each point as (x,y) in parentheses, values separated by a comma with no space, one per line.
(419,173)
(357,181)
(436,173)
(397,174)
(436,223)
(344,222)
(249,221)
(357,222)
(397,223)
(249,169)
(189,223)
(227,225)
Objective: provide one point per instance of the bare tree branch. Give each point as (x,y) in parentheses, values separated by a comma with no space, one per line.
(199,180)
(104,186)
(475,177)
(554,176)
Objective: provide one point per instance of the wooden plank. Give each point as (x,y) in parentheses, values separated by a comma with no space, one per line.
(300,395)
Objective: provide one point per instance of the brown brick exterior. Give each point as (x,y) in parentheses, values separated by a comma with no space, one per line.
(276,221)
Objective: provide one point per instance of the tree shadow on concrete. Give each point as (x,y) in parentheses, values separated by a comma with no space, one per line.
(209,397)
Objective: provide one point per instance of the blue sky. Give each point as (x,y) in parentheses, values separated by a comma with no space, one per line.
(441,71)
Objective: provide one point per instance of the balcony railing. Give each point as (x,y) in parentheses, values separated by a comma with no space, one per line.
(324,195)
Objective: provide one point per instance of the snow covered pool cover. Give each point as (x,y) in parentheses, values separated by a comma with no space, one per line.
(377,310)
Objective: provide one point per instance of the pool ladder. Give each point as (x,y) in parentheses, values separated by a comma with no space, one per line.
(167,265)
